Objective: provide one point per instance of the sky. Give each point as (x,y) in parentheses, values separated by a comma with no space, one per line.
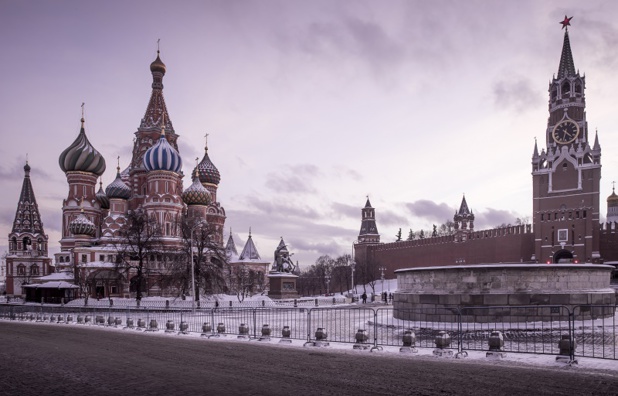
(310,107)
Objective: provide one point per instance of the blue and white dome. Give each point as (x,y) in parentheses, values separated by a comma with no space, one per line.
(162,156)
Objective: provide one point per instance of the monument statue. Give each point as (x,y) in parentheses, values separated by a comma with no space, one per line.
(283,262)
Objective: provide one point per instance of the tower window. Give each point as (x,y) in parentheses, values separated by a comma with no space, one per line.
(584,215)
(34,270)
(84,258)
(565,167)
(542,216)
(578,88)
(21,269)
(566,88)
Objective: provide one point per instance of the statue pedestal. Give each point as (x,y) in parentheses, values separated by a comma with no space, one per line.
(282,285)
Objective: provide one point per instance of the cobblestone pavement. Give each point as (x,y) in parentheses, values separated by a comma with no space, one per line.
(71,360)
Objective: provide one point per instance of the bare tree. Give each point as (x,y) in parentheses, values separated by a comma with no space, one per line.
(138,242)
(209,260)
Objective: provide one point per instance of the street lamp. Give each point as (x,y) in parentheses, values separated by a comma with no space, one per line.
(353,267)
(192,265)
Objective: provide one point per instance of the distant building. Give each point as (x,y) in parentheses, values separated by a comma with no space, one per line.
(566,178)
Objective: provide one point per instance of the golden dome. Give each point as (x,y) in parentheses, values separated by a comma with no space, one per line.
(158,65)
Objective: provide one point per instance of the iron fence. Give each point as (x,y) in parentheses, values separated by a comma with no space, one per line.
(524,329)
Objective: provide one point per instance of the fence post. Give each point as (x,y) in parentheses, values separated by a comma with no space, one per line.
(460,351)
(255,321)
(309,324)
(572,333)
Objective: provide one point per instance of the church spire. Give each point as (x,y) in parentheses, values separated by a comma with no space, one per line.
(27,217)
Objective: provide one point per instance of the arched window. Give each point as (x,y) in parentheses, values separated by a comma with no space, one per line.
(34,270)
(27,244)
(21,269)
(566,88)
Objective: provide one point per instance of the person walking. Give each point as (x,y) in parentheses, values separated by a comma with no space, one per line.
(364,297)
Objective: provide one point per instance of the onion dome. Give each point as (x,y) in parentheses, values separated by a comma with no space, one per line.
(101,198)
(82,226)
(162,156)
(207,171)
(117,188)
(81,156)
(158,65)
(196,193)
(612,200)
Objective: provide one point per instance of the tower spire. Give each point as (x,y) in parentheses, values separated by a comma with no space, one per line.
(27,217)
(567,66)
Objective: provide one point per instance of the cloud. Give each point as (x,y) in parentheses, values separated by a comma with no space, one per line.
(491,218)
(430,211)
(516,93)
(340,210)
(293,179)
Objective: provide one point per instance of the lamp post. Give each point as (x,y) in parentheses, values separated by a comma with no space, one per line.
(327,285)
(382,269)
(353,267)
(199,224)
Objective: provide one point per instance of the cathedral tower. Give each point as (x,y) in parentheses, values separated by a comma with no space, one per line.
(82,165)
(155,120)
(28,243)
(567,173)
(369,230)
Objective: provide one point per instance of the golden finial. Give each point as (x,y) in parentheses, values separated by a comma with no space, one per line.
(83,114)
(118,167)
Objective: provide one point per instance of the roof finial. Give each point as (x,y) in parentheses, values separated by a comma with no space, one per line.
(566,22)
(196,173)
(613,186)
(118,167)
(206,142)
(83,114)
(249,232)
(158,42)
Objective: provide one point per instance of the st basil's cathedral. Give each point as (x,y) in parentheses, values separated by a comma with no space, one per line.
(92,219)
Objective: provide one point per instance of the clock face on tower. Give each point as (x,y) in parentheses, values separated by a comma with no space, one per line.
(565,132)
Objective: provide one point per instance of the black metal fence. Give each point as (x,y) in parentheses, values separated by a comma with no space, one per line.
(590,330)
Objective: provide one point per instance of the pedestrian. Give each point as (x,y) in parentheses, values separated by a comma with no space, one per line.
(364,297)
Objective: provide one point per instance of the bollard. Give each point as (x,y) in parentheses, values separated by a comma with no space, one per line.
(206,329)
(129,323)
(443,341)
(285,335)
(141,324)
(80,319)
(111,321)
(184,328)
(243,331)
(153,326)
(409,342)
(169,326)
(320,338)
(100,320)
(39,318)
(567,349)
(295,303)
(361,340)
(87,319)
(265,333)
(60,319)
(69,319)
(496,342)
(118,321)
(220,328)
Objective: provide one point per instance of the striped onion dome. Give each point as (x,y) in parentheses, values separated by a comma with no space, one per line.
(196,194)
(117,188)
(162,156)
(102,199)
(81,156)
(612,200)
(208,172)
(82,226)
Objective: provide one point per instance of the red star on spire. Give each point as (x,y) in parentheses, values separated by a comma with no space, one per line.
(566,22)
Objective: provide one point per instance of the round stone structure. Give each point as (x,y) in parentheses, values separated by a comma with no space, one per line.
(496,292)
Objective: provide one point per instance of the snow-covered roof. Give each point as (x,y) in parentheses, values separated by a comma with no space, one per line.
(57,276)
(52,285)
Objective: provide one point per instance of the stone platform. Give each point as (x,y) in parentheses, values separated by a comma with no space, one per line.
(498,291)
